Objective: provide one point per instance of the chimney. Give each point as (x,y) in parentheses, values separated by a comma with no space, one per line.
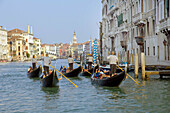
(0,27)
(31,30)
(28,29)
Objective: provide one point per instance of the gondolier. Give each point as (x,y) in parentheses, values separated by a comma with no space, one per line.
(112,61)
(90,61)
(46,62)
(70,62)
(34,61)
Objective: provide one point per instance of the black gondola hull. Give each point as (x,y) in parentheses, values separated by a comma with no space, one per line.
(113,81)
(74,73)
(85,73)
(35,73)
(50,80)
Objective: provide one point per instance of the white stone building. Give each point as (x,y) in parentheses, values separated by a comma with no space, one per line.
(37,47)
(125,21)
(3,44)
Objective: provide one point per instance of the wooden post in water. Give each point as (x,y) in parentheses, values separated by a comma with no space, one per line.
(118,58)
(125,58)
(143,65)
(132,59)
(136,65)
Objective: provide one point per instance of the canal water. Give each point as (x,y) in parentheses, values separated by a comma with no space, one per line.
(21,94)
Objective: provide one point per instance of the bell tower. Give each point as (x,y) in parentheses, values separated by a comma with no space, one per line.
(74,38)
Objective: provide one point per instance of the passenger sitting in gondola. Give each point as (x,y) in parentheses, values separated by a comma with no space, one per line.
(30,69)
(64,69)
(99,73)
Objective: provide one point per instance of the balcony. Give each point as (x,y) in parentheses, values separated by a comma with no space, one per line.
(137,17)
(149,13)
(164,24)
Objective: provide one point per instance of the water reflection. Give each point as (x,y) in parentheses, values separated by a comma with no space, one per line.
(50,90)
(112,92)
(75,78)
(35,79)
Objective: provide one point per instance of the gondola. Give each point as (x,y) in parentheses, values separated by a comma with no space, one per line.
(74,72)
(35,73)
(113,81)
(50,81)
(85,73)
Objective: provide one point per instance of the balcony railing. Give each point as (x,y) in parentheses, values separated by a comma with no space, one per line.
(164,24)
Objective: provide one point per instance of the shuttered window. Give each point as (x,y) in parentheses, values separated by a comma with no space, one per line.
(167,4)
(120,19)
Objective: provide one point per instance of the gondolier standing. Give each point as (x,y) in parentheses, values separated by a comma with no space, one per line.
(112,61)
(70,62)
(90,61)
(34,62)
(46,62)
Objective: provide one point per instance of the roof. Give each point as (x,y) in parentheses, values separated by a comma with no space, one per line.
(36,38)
(14,31)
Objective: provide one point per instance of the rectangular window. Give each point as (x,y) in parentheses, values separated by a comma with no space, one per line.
(148,28)
(165,51)
(158,52)
(148,51)
(120,19)
(153,26)
(145,46)
(160,11)
(168,52)
(153,50)
(18,48)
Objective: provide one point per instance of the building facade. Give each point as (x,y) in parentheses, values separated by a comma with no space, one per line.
(37,47)
(127,23)
(20,44)
(3,44)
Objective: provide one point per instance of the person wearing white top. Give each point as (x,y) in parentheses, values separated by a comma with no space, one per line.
(34,61)
(70,62)
(90,60)
(46,62)
(112,61)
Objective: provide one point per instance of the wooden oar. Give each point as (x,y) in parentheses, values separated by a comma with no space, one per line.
(129,76)
(83,68)
(64,76)
(57,75)
(61,75)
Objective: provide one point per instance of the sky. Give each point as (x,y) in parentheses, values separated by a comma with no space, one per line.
(53,21)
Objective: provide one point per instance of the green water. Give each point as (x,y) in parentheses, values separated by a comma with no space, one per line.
(21,94)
